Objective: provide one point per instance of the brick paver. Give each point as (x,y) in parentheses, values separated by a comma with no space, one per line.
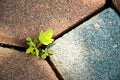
(21,18)
(91,51)
(15,65)
(117,4)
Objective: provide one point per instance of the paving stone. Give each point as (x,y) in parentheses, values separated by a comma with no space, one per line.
(117,4)
(91,51)
(15,65)
(21,18)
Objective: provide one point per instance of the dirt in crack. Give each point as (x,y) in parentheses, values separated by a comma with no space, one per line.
(24,49)
(107,5)
(13,47)
(59,76)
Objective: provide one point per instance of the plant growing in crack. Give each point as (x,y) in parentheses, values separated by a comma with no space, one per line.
(44,38)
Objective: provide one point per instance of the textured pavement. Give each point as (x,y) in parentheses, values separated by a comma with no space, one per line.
(91,51)
(15,65)
(21,18)
(117,4)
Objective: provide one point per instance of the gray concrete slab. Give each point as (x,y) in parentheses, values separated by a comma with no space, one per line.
(91,51)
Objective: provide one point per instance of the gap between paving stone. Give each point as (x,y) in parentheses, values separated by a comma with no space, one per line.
(84,19)
(107,5)
(15,65)
(54,69)
(64,32)
(23,49)
(115,6)
(101,49)
(19,48)
(61,34)
(26,18)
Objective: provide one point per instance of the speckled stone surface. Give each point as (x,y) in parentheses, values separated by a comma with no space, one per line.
(91,51)
(15,65)
(117,4)
(21,18)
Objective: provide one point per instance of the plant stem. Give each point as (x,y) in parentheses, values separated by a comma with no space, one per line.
(39,44)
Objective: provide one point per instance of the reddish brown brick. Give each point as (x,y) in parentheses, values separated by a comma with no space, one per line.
(21,18)
(15,65)
(117,4)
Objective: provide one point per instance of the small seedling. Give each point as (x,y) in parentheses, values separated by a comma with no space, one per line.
(44,38)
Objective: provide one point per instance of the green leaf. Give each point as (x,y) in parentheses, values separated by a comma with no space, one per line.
(30,50)
(31,44)
(43,38)
(50,52)
(28,39)
(46,49)
(46,37)
(36,52)
(43,50)
(49,33)
(36,39)
(47,41)
(46,54)
(43,56)
(33,53)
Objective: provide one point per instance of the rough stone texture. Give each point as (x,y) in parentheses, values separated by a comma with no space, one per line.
(117,4)
(15,65)
(91,51)
(21,18)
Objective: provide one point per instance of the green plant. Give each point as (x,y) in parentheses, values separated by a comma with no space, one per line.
(44,38)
